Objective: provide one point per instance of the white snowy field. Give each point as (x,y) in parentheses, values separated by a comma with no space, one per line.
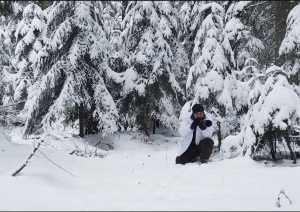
(139,176)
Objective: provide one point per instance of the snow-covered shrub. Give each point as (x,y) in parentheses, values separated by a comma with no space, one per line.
(275,113)
(290,46)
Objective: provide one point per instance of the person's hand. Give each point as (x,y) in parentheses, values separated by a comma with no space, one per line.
(194,124)
(201,124)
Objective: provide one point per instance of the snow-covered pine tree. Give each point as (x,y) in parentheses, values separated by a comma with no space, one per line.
(251,80)
(5,57)
(9,17)
(154,61)
(250,83)
(74,67)
(30,36)
(115,61)
(269,121)
(5,11)
(246,47)
(259,18)
(191,17)
(290,46)
(211,79)
(244,44)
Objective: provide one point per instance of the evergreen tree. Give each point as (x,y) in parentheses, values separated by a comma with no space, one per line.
(211,79)
(30,37)
(251,28)
(272,116)
(154,61)
(259,17)
(10,14)
(290,46)
(74,68)
(242,39)
(245,47)
(5,66)
(190,17)
(282,10)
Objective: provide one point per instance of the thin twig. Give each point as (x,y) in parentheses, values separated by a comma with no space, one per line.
(57,165)
(278,200)
(286,196)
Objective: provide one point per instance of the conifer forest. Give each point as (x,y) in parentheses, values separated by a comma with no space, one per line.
(111,66)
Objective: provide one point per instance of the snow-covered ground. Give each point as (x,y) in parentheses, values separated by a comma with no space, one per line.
(135,175)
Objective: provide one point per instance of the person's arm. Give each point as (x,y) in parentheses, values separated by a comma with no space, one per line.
(185,128)
(207,130)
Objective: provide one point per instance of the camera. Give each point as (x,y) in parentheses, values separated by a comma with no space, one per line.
(204,122)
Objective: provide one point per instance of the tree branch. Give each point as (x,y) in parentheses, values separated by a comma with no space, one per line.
(26,162)
(57,165)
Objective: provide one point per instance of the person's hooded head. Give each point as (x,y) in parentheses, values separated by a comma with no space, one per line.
(198,111)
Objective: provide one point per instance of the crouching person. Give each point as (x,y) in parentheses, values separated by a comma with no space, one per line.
(196,131)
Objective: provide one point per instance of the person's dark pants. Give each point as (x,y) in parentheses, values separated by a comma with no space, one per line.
(203,149)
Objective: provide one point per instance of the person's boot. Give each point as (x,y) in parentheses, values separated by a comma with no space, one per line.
(196,159)
(203,161)
(179,161)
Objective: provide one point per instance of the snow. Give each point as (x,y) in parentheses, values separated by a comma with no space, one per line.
(138,176)
(130,170)
(233,28)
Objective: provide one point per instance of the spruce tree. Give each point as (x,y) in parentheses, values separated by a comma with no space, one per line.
(211,81)
(155,63)
(74,68)
(191,17)
(270,120)
(290,46)
(246,50)
(259,19)
(10,15)
(30,37)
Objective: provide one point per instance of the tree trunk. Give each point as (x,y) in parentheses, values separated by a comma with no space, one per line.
(125,4)
(295,79)
(288,143)
(157,123)
(219,135)
(272,148)
(145,113)
(269,138)
(81,121)
(275,145)
(153,126)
